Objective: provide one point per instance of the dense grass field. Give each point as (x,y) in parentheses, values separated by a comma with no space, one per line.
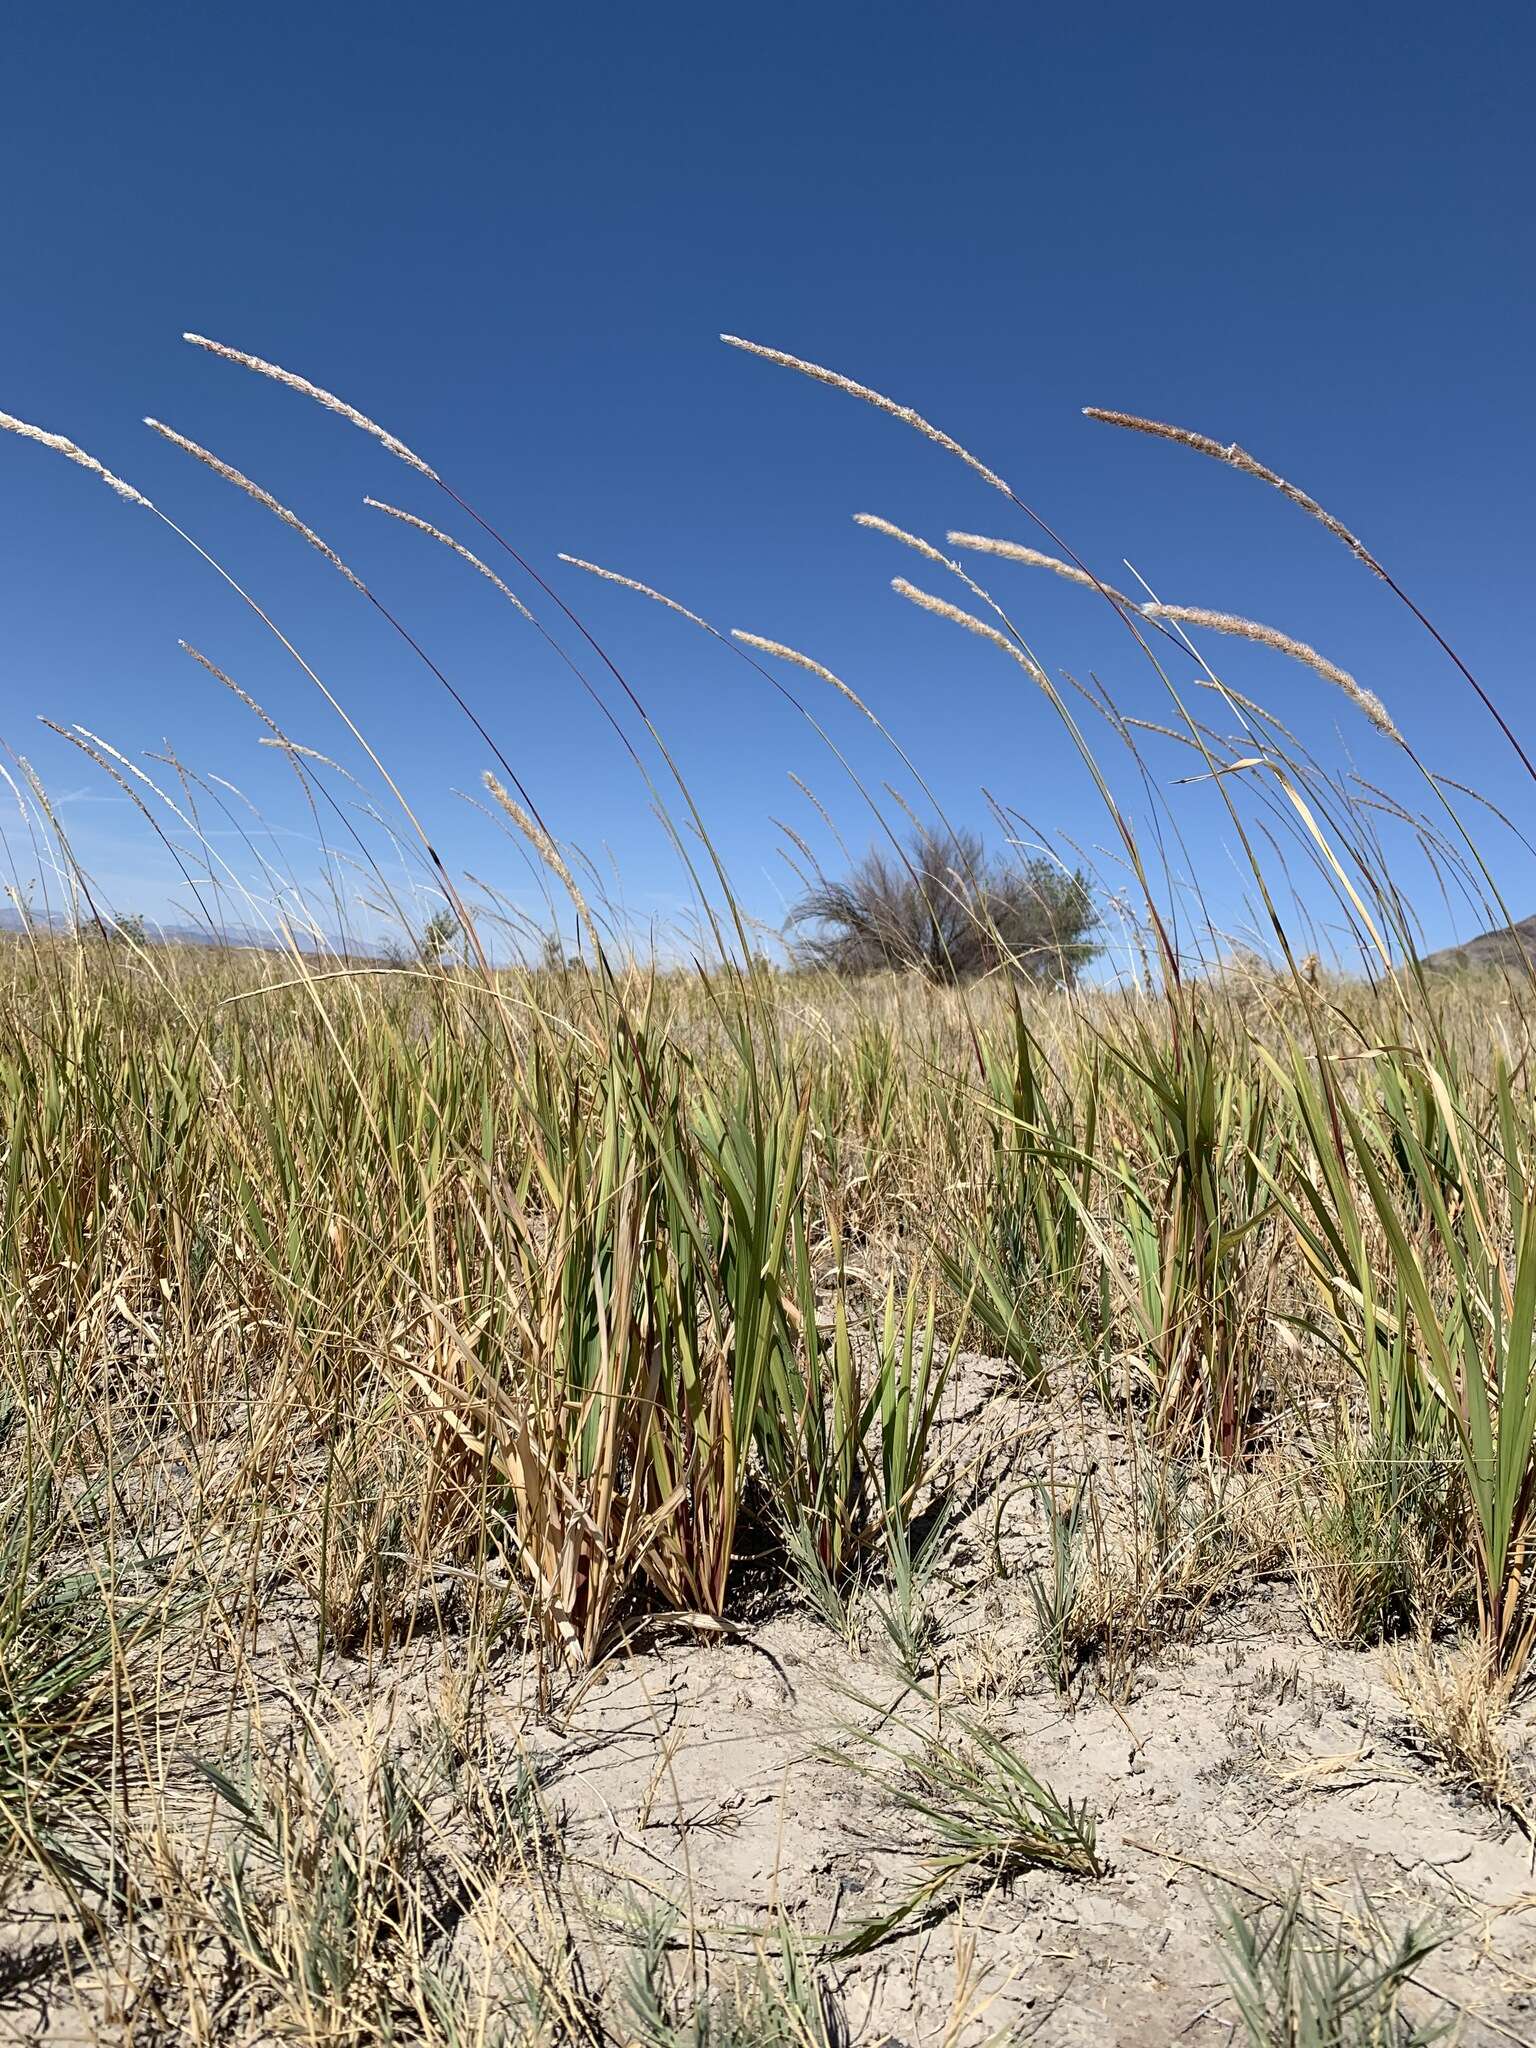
(615,1502)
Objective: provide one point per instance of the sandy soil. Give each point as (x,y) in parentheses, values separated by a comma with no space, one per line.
(713,1774)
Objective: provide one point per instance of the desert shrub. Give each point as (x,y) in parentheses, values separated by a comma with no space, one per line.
(946,908)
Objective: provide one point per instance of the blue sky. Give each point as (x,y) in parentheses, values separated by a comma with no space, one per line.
(512,235)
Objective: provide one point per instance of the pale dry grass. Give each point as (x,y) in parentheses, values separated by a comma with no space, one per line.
(1458,1705)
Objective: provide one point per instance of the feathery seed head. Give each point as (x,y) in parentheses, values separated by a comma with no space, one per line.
(942,608)
(783,653)
(40,793)
(812,798)
(253,490)
(72,452)
(821,375)
(799,660)
(292,747)
(925,548)
(107,747)
(227,680)
(458,547)
(1298,650)
(315,391)
(231,685)
(1161,430)
(1238,458)
(1015,551)
(643,589)
(539,840)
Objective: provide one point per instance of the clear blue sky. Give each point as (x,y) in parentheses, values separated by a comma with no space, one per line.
(513,234)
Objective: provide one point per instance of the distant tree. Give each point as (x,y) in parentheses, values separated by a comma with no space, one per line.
(424,948)
(553,958)
(949,911)
(436,936)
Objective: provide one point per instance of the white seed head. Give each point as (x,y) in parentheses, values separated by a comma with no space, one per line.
(1298,650)
(254,490)
(1015,551)
(942,608)
(458,547)
(904,413)
(72,452)
(793,655)
(315,391)
(643,589)
(925,548)
(538,839)
(1239,458)
(291,747)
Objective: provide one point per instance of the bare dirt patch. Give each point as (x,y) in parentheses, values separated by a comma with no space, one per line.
(707,1786)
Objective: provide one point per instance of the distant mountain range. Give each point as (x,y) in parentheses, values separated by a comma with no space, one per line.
(1489,951)
(242,937)
(1504,946)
